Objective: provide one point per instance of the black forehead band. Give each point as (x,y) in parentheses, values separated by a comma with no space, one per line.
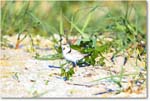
(60,39)
(64,44)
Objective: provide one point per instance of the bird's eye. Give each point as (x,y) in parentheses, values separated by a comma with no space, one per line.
(63,48)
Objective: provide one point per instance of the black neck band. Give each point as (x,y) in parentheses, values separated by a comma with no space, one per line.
(69,51)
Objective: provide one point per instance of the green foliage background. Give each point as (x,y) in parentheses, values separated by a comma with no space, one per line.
(42,17)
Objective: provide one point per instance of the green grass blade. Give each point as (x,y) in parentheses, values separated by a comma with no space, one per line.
(113,76)
(74,25)
(87,21)
(88,18)
(61,24)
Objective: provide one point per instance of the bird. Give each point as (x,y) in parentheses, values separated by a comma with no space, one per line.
(70,54)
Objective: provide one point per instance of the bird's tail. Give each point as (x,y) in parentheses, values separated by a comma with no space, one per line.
(85,55)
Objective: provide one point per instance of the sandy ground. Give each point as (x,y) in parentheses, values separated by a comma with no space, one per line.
(21,75)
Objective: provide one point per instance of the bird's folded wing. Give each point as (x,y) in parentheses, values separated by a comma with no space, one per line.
(77,54)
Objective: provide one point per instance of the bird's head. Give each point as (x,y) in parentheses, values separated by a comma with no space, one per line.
(63,40)
(65,48)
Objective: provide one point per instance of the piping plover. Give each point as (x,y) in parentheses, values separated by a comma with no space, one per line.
(70,54)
